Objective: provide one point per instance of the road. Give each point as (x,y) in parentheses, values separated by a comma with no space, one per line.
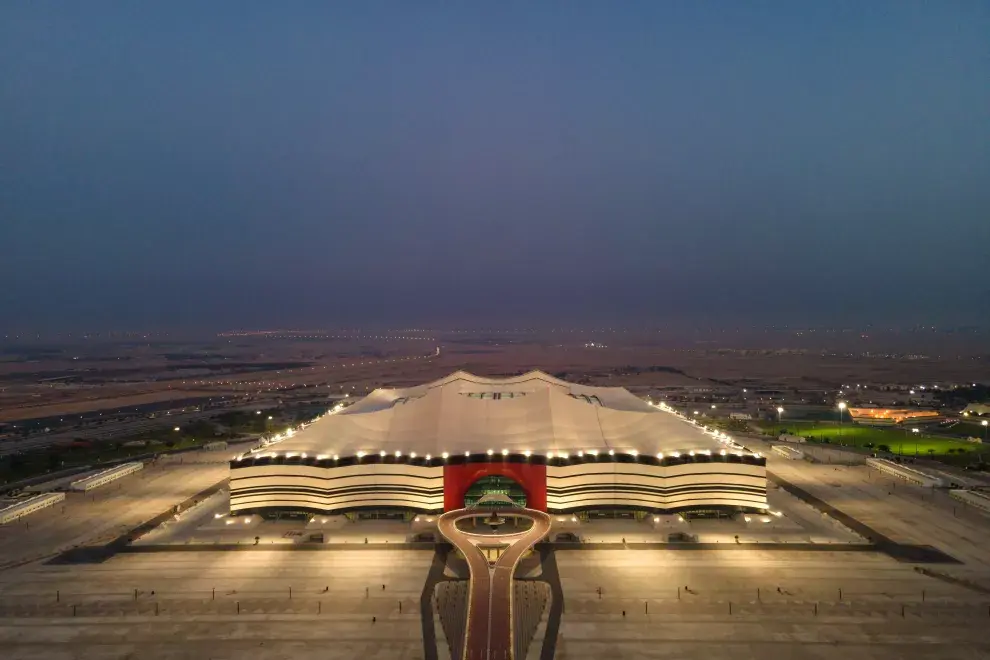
(488,633)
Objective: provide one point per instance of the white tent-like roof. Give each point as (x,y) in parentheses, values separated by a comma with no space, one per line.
(532,412)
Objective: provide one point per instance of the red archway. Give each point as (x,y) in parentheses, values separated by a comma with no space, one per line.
(458,478)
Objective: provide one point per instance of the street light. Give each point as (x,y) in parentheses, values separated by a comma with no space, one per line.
(842,406)
(780,411)
(985,424)
(915,431)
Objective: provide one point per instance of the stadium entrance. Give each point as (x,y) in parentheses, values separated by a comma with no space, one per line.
(495,484)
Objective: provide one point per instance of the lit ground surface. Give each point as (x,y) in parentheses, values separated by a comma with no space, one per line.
(903,512)
(314,623)
(101,515)
(867,623)
(329,613)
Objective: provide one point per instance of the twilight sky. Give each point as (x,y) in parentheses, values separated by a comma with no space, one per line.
(264,164)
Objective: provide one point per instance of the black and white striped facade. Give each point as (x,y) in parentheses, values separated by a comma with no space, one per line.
(656,488)
(571,447)
(699,480)
(261,484)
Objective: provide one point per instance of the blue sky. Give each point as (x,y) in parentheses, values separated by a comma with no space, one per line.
(255,164)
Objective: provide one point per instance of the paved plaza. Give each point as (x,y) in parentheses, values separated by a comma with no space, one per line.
(757,598)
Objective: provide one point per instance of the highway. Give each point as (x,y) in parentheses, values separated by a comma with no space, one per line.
(488,633)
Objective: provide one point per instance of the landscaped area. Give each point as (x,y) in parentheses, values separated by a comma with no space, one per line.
(895,440)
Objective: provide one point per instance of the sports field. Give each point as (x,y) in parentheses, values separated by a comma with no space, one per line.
(899,440)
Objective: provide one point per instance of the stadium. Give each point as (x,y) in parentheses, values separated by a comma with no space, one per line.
(546,443)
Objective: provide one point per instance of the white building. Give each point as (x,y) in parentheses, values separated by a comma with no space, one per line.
(557,445)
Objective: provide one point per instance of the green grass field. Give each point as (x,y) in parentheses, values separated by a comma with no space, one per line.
(898,440)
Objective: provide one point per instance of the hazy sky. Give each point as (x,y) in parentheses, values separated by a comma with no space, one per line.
(276,164)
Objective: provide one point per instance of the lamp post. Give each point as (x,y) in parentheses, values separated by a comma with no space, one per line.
(842,406)
(780,411)
(915,431)
(985,424)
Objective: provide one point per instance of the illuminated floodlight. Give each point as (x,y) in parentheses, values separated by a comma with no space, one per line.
(490,452)
(428,457)
(675,454)
(564,454)
(691,453)
(176,429)
(580,453)
(398,454)
(444,455)
(336,457)
(611,452)
(549,454)
(360,454)
(722,452)
(634,452)
(527,453)
(412,455)
(505,452)
(467,454)
(382,453)
(660,455)
(593,452)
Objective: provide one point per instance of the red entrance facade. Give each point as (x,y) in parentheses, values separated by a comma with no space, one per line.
(458,478)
